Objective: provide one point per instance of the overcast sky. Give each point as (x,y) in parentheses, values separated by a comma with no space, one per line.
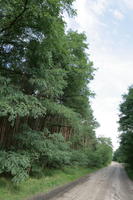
(108,25)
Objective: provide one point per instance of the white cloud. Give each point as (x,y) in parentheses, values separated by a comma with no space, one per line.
(115,73)
(118,15)
(98,6)
(88,18)
(111,81)
(128,3)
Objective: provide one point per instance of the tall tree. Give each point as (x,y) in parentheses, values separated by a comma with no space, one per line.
(126,127)
(44,78)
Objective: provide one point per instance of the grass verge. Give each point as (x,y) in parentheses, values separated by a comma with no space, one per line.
(50,180)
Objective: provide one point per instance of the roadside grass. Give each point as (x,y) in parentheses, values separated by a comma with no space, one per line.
(51,179)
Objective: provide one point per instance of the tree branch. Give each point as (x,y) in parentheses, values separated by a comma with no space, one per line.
(16,18)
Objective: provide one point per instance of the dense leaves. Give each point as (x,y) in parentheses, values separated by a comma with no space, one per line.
(14,103)
(35,151)
(48,150)
(15,164)
(118,155)
(46,119)
(125,152)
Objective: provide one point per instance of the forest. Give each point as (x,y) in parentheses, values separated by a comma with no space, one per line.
(46,118)
(124,153)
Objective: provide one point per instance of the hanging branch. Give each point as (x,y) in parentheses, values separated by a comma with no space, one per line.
(16,18)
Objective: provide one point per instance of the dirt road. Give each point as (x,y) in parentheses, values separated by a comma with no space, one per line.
(110,183)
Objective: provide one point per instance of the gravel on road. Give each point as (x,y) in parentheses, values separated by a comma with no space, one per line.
(110,183)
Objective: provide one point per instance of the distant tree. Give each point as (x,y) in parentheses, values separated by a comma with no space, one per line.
(118,155)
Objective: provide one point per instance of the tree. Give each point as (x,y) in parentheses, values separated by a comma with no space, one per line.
(118,155)
(44,78)
(126,127)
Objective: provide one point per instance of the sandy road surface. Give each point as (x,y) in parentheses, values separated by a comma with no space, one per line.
(110,183)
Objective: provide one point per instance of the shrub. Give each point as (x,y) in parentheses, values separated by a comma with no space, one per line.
(78,157)
(48,150)
(15,164)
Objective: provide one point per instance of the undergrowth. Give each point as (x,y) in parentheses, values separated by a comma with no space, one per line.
(51,179)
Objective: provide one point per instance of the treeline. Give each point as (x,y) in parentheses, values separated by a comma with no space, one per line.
(125,152)
(46,119)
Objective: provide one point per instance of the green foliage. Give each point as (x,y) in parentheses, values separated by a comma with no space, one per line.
(44,79)
(118,155)
(45,149)
(36,150)
(98,157)
(79,158)
(80,73)
(52,178)
(126,114)
(105,150)
(14,103)
(126,128)
(15,164)
(129,171)
(66,114)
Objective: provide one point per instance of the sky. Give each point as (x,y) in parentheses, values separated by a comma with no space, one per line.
(108,25)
